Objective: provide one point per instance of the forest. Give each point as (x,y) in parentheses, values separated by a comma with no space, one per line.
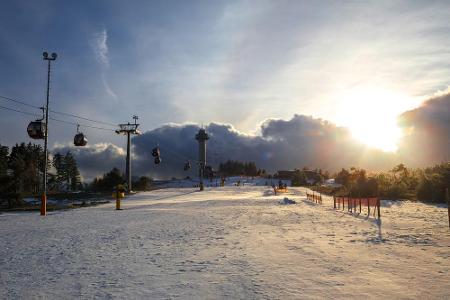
(21,173)
(237,168)
(425,184)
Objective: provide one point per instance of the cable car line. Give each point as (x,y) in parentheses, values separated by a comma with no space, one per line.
(83,118)
(53,119)
(20,102)
(81,125)
(81,138)
(187,162)
(184,158)
(58,112)
(19,111)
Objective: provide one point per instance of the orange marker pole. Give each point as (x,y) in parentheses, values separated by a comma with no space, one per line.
(43,205)
(117,201)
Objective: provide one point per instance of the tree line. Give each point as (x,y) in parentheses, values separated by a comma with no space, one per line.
(111,179)
(237,168)
(22,168)
(426,184)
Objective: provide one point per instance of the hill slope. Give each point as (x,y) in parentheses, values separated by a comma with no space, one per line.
(230,242)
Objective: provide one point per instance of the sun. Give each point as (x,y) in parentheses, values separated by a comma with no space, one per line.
(370,114)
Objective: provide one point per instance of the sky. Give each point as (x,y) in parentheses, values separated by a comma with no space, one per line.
(236,64)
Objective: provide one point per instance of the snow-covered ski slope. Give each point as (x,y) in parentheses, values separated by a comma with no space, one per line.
(230,242)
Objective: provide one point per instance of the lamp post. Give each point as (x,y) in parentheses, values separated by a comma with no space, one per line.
(49,59)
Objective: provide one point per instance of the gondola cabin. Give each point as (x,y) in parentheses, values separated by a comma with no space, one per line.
(36,129)
(80,140)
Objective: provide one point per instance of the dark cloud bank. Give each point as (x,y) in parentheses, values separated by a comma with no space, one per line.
(300,141)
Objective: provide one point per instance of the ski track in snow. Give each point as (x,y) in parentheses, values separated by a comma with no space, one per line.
(229,242)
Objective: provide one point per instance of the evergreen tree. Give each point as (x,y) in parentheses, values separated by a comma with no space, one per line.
(233,168)
(58,163)
(4,151)
(71,172)
(108,181)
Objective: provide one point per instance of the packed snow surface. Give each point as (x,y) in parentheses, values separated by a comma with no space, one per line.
(226,242)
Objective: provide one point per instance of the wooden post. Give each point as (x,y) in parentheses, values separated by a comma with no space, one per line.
(379,204)
(334,202)
(368,207)
(359,205)
(343,203)
(448,205)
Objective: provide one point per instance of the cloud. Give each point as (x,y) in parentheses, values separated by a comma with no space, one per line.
(426,132)
(96,159)
(100,47)
(281,144)
(300,141)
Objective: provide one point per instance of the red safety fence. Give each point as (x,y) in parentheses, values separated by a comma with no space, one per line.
(353,204)
(317,198)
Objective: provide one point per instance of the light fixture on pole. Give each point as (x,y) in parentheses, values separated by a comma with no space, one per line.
(49,59)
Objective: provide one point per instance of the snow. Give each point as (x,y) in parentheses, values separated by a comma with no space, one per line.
(286,200)
(228,242)
(230,181)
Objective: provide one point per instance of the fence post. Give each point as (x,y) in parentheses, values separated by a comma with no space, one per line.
(334,203)
(448,205)
(359,205)
(368,207)
(379,204)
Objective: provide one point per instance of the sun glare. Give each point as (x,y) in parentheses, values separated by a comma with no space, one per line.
(371,116)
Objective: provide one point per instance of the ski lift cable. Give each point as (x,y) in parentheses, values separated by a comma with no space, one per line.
(57,112)
(19,111)
(83,118)
(20,102)
(81,125)
(57,120)
(184,158)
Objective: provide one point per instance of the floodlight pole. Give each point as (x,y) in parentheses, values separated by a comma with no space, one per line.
(128,129)
(44,193)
